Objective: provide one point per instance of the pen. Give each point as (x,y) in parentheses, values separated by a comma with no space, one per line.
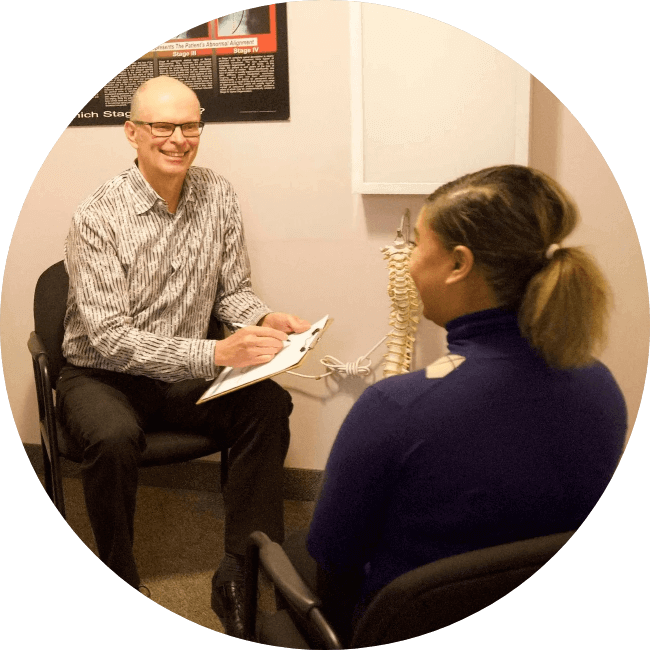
(240,325)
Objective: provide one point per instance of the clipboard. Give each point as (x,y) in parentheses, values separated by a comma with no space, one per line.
(291,356)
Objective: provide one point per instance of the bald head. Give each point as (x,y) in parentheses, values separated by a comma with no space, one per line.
(160,92)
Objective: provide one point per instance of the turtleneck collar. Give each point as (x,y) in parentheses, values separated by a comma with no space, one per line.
(489,329)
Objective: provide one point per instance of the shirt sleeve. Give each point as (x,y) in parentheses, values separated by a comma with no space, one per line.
(362,467)
(99,287)
(236,302)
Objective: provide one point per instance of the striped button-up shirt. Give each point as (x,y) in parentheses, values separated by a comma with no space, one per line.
(144,282)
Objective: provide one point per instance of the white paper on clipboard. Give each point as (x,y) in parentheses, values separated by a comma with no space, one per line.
(291,356)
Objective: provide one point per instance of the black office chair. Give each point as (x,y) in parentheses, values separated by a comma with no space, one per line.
(163,447)
(418,602)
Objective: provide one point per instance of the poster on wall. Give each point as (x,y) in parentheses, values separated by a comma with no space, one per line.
(237,65)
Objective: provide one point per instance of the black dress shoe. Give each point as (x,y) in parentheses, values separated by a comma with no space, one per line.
(228,604)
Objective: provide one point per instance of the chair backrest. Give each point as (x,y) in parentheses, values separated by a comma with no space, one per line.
(50,302)
(444,592)
(50,299)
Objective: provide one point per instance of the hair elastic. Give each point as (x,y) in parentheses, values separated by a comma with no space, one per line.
(550,251)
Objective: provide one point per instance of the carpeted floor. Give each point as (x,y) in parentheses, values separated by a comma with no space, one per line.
(179,543)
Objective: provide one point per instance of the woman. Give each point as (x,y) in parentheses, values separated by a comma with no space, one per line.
(513,434)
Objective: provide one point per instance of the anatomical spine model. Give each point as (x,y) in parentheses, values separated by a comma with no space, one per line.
(406,305)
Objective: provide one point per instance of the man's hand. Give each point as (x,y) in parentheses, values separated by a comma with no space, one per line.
(285,322)
(258,344)
(249,346)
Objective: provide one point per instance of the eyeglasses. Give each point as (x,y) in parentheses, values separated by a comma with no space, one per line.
(165,129)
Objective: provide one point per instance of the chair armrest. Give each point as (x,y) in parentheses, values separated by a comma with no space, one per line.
(278,567)
(41,375)
(284,576)
(47,416)
(35,345)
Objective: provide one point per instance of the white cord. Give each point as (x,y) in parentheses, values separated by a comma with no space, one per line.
(353,369)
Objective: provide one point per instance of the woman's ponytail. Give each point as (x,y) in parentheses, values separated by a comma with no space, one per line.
(564,309)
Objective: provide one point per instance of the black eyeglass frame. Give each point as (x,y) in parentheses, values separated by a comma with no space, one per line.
(151,125)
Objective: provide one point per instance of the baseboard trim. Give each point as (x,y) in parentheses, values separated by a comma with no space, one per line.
(201,475)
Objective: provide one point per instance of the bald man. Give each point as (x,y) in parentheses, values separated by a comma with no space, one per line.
(151,255)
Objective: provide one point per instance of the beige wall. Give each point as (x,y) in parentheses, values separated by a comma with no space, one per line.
(562,148)
(315,247)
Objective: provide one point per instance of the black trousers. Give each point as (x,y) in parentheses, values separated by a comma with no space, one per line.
(107,414)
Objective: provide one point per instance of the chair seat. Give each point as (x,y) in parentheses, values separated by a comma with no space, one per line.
(279,630)
(163,447)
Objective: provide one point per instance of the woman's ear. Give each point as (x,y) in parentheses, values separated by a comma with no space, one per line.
(463,260)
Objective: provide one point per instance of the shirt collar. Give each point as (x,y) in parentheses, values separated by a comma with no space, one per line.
(145,197)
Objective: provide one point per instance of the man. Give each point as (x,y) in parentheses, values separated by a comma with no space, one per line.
(151,255)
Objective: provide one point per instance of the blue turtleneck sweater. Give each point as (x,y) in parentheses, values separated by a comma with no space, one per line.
(491,448)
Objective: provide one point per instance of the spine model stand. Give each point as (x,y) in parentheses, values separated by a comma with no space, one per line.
(406,305)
